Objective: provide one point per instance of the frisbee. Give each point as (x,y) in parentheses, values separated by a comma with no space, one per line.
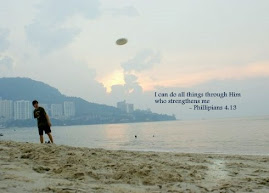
(121,41)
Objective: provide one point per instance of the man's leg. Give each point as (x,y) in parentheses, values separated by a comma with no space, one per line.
(41,138)
(50,137)
(40,130)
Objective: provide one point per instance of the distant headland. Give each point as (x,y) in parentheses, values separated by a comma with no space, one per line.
(16,95)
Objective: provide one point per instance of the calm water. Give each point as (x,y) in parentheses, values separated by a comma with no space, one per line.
(235,136)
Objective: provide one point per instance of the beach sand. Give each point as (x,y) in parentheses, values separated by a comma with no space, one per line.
(28,167)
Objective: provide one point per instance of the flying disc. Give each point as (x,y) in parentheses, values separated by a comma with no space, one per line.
(121,41)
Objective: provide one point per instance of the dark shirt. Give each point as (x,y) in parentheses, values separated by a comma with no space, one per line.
(40,115)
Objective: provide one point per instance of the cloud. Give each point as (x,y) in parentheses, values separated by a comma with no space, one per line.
(130,90)
(47,38)
(144,60)
(95,88)
(3,39)
(117,93)
(192,78)
(6,65)
(129,11)
(6,62)
(127,78)
(131,84)
(130,78)
(47,32)
(55,12)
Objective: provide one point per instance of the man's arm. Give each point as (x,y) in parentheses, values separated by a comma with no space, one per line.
(34,114)
(48,119)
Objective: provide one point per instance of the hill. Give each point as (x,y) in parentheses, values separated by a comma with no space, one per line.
(88,113)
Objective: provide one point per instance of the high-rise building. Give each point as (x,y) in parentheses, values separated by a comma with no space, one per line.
(6,109)
(56,111)
(122,106)
(130,108)
(22,110)
(125,107)
(69,109)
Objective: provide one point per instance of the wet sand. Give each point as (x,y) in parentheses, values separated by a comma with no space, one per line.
(28,167)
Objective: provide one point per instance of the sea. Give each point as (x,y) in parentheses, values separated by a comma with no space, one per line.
(244,136)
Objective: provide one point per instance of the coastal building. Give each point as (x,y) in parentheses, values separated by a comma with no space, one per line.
(125,107)
(6,109)
(69,109)
(122,106)
(22,110)
(130,108)
(56,111)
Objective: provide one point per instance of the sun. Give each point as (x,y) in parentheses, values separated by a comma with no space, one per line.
(114,78)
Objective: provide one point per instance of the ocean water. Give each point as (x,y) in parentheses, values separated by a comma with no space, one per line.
(228,136)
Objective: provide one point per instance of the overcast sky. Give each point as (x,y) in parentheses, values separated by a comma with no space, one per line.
(173,45)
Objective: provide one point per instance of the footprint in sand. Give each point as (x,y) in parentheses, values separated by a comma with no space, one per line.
(40,169)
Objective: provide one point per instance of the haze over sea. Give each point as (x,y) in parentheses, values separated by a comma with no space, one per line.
(228,136)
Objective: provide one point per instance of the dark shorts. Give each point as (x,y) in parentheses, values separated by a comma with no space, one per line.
(45,128)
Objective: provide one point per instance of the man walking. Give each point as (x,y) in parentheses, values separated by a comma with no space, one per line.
(43,121)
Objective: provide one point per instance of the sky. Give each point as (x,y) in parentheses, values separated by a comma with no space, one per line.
(173,46)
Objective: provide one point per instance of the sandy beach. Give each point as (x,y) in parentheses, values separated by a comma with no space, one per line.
(28,167)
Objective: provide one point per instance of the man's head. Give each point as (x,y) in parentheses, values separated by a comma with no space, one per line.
(35,104)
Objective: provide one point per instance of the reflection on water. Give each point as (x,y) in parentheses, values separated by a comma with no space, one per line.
(236,136)
(115,132)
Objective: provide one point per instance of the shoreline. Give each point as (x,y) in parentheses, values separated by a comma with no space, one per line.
(149,151)
(30,167)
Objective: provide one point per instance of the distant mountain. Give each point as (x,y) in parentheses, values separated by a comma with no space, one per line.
(86,112)
(28,89)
